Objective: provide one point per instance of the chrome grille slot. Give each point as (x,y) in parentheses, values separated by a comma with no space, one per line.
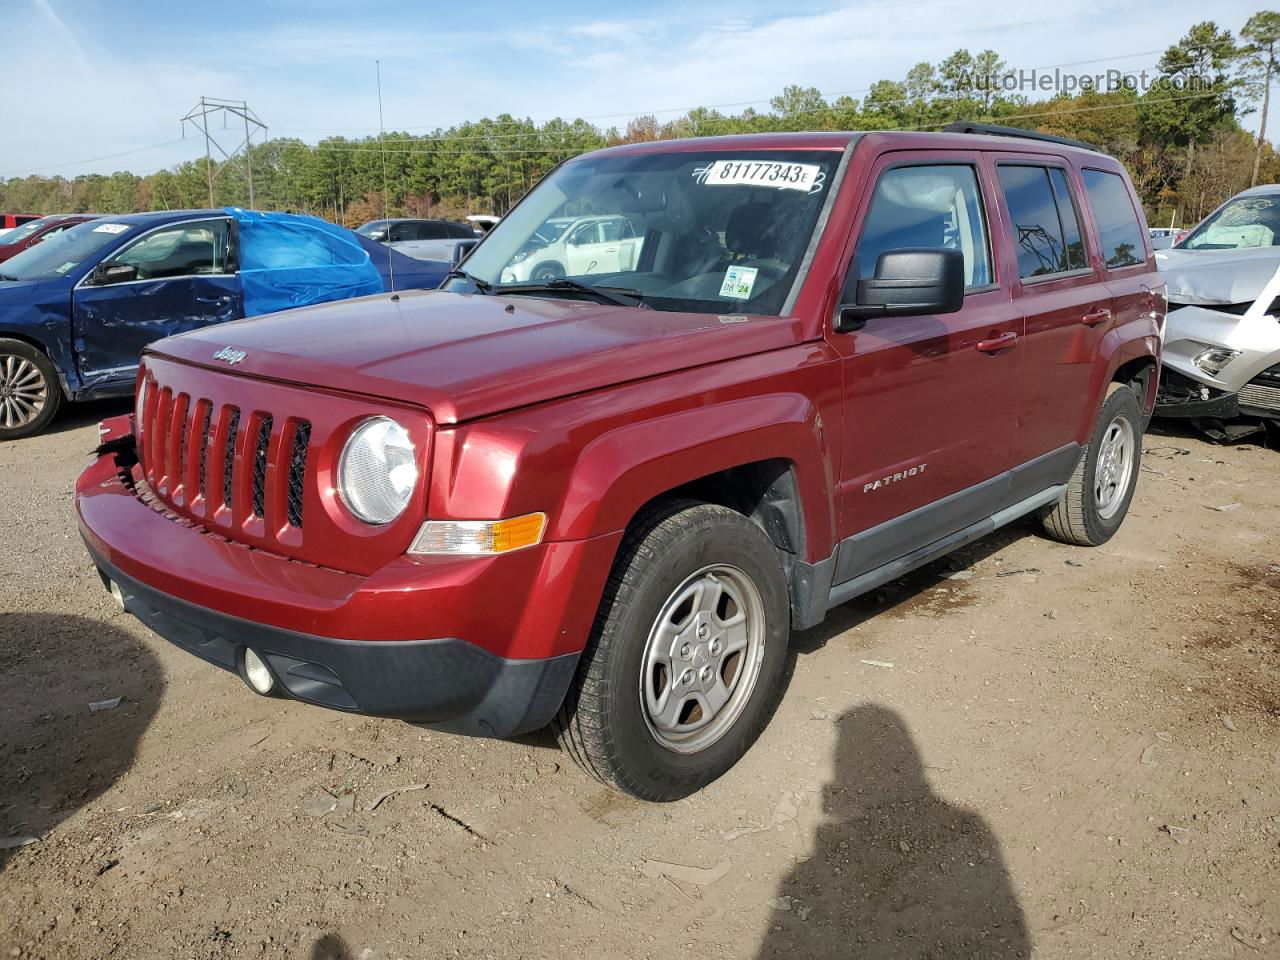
(298,471)
(229,459)
(260,466)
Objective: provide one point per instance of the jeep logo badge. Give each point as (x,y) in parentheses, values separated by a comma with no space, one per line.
(229,354)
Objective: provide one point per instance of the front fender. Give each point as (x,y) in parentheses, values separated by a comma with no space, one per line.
(620,471)
(40,313)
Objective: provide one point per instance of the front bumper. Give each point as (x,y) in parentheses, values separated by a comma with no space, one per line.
(443,682)
(481,645)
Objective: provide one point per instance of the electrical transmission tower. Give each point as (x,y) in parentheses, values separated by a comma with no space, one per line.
(199,116)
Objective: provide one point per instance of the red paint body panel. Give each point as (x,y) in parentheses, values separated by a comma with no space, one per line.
(586,412)
(49,225)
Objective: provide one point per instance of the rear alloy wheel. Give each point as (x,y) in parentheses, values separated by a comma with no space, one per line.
(29,391)
(684,665)
(1099,492)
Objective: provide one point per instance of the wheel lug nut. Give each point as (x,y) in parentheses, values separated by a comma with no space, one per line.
(687,677)
(684,652)
(715,646)
(705,674)
(703,631)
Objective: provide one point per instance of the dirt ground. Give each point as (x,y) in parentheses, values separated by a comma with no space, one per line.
(1024,750)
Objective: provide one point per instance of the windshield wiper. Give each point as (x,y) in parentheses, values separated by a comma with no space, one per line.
(484,286)
(621,296)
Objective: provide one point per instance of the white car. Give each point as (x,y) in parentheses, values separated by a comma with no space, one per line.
(576,247)
(422,239)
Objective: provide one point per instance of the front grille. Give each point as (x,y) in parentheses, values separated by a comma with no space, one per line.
(298,471)
(1255,394)
(205,440)
(260,467)
(229,458)
(245,459)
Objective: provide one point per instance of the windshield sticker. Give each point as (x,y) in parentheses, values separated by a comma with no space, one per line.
(65,267)
(738,282)
(111,228)
(807,177)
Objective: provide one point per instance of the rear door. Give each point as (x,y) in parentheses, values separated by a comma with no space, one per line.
(930,402)
(1066,307)
(184,278)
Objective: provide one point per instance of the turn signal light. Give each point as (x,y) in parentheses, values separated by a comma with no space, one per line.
(479,537)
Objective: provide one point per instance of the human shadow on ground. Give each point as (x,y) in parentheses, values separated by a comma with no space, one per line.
(56,754)
(896,871)
(330,947)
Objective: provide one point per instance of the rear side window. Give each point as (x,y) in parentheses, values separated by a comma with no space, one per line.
(1047,235)
(933,206)
(432,231)
(1118,227)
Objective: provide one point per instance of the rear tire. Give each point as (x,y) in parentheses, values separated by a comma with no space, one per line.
(674,685)
(30,392)
(1101,489)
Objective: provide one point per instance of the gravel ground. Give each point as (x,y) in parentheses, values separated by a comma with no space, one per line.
(1024,750)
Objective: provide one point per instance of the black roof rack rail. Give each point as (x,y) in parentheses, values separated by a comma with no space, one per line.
(995,130)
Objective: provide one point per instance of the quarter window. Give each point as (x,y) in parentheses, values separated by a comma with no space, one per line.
(179,251)
(1118,227)
(929,206)
(1046,230)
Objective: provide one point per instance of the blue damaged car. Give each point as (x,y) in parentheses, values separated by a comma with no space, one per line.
(76,310)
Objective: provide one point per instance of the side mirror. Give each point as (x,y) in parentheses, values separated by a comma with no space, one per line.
(108,273)
(908,283)
(460,251)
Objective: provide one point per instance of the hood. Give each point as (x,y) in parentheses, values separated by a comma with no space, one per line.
(464,356)
(1217,277)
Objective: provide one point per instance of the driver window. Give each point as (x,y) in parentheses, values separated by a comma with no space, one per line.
(587,233)
(179,251)
(932,206)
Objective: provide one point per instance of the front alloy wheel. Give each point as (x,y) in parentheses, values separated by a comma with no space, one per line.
(703,658)
(684,664)
(29,393)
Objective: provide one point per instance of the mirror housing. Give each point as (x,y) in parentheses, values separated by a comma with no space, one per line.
(109,273)
(460,251)
(910,282)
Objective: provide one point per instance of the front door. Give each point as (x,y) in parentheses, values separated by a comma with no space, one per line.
(179,277)
(930,402)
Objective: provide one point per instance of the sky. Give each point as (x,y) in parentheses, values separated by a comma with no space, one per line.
(106,82)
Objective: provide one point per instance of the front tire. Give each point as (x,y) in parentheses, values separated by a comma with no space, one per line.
(684,665)
(547,271)
(1101,489)
(29,390)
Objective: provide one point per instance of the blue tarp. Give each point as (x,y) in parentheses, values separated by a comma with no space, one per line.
(288,260)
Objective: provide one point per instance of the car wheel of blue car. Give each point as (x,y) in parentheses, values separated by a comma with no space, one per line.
(29,390)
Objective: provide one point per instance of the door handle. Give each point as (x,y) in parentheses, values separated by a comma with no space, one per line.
(610,249)
(995,344)
(1095,317)
(220,301)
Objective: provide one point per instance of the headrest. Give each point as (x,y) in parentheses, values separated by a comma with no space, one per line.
(753,230)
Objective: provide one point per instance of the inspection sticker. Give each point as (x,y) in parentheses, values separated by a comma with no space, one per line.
(807,177)
(738,282)
(111,228)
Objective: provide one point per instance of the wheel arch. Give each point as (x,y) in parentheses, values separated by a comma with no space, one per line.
(25,336)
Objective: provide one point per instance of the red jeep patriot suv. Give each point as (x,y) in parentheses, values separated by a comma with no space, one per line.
(753,378)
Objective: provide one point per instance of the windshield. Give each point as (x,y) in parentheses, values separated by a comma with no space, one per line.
(708,232)
(1240,223)
(374,229)
(63,252)
(19,234)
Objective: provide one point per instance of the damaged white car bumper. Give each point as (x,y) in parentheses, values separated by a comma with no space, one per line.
(1222,335)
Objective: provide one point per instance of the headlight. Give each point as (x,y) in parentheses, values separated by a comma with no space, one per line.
(377,472)
(522,255)
(1214,360)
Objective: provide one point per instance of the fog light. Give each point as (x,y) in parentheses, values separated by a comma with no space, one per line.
(256,674)
(116,593)
(1213,360)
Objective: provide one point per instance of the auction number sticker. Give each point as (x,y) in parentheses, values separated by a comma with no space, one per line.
(111,228)
(738,282)
(806,177)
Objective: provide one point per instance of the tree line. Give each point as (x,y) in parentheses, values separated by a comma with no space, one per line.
(1177,128)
